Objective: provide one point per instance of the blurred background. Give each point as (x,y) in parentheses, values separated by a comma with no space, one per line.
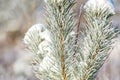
(16,17)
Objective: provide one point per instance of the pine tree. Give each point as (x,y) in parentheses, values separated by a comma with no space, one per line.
(56,55)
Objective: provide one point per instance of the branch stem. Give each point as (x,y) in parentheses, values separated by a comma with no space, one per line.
(61,47)
(62,56)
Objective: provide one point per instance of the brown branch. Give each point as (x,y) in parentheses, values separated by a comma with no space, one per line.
(89,65)
(93,58)
(78,26)
(62,56)
(61,53)
(61,48)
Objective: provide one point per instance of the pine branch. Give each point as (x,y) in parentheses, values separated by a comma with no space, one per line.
(61,49)
(55,59)
(60,23)
(97,44)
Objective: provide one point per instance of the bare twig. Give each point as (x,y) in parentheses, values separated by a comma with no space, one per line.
(78,27)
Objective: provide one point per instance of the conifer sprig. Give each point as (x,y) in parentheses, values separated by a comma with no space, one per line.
(58,55)
(98,40)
